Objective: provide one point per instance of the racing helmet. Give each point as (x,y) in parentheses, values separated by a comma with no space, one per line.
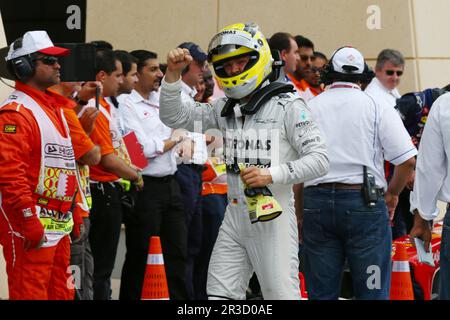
(235,41)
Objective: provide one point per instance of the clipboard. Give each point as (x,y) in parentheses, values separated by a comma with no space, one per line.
(135,150)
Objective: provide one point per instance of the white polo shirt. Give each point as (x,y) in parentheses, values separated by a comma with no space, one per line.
(358,131)
(142,117)
(200,155)
(382,95)
(432,180)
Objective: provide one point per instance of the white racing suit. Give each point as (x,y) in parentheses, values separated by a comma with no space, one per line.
(281,136)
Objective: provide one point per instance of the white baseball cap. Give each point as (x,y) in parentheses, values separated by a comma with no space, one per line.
(348,60)
(35,41)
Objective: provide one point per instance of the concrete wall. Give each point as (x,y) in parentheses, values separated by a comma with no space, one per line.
(4,90)
(432,25)
(159,25)
(156,25)
(415,27)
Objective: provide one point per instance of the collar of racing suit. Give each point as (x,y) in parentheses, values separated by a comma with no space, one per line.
(257,99)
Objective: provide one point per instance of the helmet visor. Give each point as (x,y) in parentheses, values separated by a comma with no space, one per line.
(219,69)
(231,37)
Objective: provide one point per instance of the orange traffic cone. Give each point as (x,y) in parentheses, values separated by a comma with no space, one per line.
(155,282)
(401,284)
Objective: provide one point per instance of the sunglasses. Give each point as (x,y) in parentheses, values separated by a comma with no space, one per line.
(314,69)
(391,73)
(306,58)
(48,60)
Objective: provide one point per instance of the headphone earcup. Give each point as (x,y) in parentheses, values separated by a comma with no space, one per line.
(368,73)
(326,73)
(22,68)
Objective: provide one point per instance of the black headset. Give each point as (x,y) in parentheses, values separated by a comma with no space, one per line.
(277,65)
(328,75)
(23,68)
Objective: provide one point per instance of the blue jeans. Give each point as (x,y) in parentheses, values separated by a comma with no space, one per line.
(444,290)
(338,225)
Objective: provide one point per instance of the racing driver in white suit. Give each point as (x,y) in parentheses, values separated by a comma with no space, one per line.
(273,144)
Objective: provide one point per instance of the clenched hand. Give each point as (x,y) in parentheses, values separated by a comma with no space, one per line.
(255,177)
(177,60)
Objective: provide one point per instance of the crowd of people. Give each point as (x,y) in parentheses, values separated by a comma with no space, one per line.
(258,154)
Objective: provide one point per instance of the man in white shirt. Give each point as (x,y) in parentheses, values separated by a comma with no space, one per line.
(129,68)
(432,183)
(383,89)
(159,207)
(339,223)
(388,72)
(189,174)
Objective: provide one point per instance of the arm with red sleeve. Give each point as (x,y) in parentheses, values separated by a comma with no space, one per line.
(19,138)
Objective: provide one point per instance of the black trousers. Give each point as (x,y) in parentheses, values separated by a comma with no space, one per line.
(403,219)
(189,177)
(158,212)
(106,221)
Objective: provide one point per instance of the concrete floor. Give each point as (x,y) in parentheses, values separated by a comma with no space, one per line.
(115,282)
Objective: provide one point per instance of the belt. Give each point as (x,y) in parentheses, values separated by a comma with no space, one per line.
(109,183)
(166,179)
(197,167)
(340,186)
(345,186)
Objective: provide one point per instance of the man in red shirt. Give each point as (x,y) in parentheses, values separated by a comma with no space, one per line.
(304,64)
(86,154)
(311,84)
(106,212)
(38,170)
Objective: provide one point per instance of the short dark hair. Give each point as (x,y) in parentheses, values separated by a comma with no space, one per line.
(280,41)
(105,61)
(142,56)
(391,55)
(127,60)
(318,54)
(303,42)
(102,44)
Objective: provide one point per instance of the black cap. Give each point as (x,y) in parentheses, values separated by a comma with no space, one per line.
(196,52)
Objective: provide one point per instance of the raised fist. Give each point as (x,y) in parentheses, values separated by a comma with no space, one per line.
(178,59)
